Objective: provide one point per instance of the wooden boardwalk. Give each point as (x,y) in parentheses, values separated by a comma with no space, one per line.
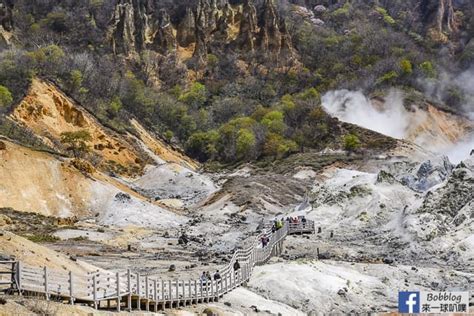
(131,291)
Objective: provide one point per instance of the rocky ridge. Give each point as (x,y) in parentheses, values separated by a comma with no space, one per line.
(136,26)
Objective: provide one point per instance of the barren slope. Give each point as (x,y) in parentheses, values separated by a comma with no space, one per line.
(48,113)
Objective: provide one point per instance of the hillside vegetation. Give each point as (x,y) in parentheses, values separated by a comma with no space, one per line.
(233,81)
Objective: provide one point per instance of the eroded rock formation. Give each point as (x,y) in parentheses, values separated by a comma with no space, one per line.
(440,14)
(122,28)
(439,17)
(222,32)
(269,36)
(286,43)
(164,40)
(202,32)
(136,26)
(6,14)
(248,26)
(187,29)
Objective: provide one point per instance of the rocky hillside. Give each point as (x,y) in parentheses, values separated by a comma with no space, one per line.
(228,80)
(158,135)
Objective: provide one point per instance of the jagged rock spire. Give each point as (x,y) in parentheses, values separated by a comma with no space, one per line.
(187,29)
(222,32)
(6,14)
(286,50)
(248,26)
(269,35)
(201,32)
(130,26)
(165,40)
(439,17)
(122,28)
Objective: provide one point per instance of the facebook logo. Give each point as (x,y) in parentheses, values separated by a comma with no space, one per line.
(408,302)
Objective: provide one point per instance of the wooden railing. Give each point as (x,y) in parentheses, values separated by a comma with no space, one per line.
(150,293)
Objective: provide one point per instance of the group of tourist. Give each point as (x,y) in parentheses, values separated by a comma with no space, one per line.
(206,276)
(296,220)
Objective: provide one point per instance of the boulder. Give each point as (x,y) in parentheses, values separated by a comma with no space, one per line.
(5,220)
(428,174)
(320,9)
(122,197)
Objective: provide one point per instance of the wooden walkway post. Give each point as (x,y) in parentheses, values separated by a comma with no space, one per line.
(17,277)
(71,288)
(163,294)
(177,293)
(200,290)
(195,291)
(147,306)
(190,292)
(46,289)
(129,284)
(94,290)
(119,298)
(138,292)
(170,293)
(155,287)
(225,283)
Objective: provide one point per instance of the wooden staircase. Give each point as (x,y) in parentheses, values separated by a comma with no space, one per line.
(133,291)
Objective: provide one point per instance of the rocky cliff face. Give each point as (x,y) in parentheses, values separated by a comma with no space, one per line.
(269,35)
(164,39)
(439,18)
(6,21)
(6,14)
(248,26)
(186,29)
(210,26)
(122,28)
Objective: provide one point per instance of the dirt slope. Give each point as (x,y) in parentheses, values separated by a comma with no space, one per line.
(38,182)
(36,255)
(161,150)
(41,183)
(48,113)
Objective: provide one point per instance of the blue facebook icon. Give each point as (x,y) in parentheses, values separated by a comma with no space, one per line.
(409,302)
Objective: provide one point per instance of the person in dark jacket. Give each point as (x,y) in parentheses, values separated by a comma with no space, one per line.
(236,265)
(217,275)
(203,278)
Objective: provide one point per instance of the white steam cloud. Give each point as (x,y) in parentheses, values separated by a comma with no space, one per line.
(353,107)
(391,118)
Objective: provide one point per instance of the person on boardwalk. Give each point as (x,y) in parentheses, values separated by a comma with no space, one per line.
(264,240)
(203,278)
(217,276)
(279,224)
(236,269)
(236,265)
(303,221)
